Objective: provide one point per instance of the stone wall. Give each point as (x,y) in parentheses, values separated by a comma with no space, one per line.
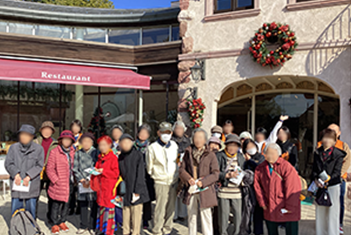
(325,53)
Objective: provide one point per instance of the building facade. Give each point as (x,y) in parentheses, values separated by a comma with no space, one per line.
(313,88)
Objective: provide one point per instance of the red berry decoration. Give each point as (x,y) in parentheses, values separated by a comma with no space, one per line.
(279,34)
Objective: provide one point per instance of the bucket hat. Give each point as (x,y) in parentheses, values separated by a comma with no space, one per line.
(48,124)
(232,138)
(67,134)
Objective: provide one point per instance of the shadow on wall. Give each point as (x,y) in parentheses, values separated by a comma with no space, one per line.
(339,30)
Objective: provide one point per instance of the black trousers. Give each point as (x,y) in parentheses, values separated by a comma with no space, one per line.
(44,183)
(258,220)
(73,205)
(88,214)
(60,210)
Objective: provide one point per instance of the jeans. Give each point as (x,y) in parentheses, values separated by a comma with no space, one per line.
(342,201)
(30,205)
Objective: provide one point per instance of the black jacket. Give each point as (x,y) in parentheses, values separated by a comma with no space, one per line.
(289,147)
(182,143)
(131,166)
(222,163)
(255,160)
(332,165)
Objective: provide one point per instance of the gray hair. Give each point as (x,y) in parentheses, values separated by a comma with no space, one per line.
(179,123)
(273,146)
(199,130)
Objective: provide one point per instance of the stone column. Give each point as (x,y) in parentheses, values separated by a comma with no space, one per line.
(79,91)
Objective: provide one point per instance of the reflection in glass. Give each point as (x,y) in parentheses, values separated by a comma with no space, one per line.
(3,26)
(52,31)
(224,5)
(125,36)
(21,28)
(155,35)
(328,112)
(95,35)
(244,3)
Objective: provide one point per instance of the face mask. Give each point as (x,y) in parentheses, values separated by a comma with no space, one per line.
(252,151)
(165,138)
(218,135)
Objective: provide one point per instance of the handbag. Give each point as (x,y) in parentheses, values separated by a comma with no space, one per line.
(122,188)
(323,197)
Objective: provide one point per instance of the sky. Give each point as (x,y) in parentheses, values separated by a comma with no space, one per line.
(135,4)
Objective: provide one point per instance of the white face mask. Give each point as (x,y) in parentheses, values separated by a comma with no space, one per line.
(218,135)
(252,151)
(166,138)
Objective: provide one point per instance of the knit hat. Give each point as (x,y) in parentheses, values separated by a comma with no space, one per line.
(126,136)
(87,135)
(67,134)
(217,129)
(232,138)
(118,127)
(27,128)
(215,140)
(47,124)
(245,135)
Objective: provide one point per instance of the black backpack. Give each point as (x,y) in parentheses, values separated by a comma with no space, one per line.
(23,223)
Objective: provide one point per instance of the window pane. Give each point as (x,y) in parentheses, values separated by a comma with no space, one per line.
(155,35)
(21,28)
(95,35)
(328,112)
(3,26)
(224,5)
(125,36)
(244,3)
(175,33)
(52,31)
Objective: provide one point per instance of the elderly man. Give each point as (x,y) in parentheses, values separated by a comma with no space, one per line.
(278,189)
(161,165)
(24,162)
(229,195)
(48,143)
(200,167)
(345,166)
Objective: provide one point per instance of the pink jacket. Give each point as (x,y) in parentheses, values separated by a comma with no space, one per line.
(57,170)
(277,191)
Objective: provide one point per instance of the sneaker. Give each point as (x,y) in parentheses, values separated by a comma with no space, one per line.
(81,231)
(64,227)
(92,231)
(55,229)
(341,230)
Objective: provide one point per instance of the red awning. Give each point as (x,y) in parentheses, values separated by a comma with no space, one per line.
(31,71)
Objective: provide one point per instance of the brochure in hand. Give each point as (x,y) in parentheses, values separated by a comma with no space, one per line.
(196,189)
(118,201)
(92,171)
(21,188)
(239,178)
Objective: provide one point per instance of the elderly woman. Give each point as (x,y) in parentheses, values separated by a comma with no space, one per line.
(278,189)
(199,169)
(183,142)
(328,159)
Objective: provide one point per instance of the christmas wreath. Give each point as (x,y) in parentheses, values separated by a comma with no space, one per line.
(271,33)
(196,112)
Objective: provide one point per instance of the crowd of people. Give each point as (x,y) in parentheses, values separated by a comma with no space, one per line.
(113,181)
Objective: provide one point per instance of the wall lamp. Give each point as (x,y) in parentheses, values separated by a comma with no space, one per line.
(198,70)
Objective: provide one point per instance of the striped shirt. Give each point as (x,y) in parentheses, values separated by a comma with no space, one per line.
(232,191)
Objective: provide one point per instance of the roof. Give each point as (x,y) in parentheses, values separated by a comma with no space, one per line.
(67,15)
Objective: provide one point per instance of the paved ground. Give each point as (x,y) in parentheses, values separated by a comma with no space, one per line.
(307,224)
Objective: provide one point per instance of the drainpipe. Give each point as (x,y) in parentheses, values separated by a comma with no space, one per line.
(79,92)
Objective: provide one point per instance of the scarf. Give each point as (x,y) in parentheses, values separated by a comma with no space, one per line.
(24,147)
(70,165)
(197,154)
(141,146)
(229,155)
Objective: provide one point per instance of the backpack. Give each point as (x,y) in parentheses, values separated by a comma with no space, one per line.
(23,223)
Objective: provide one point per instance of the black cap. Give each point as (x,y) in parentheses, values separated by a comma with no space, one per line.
(126,136)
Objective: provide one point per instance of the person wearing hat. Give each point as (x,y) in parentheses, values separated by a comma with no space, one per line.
(48,143)
(85,158)
(116,133)
(214,144)
(24,162)
(217,131)
(229,194)
(60,172)
(131,166)
(161,165)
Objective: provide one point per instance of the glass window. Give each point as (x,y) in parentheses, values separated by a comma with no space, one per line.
(223,5)
(155,35)
(52,31)
(328,112)
(21,28)
(91,34)
(175,33)
(125,36)
(244,3)
(3,26)
(233,5)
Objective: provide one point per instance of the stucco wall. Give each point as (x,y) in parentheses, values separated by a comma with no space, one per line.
(319,25)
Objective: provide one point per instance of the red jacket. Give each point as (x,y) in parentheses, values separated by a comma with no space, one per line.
(57,169)
(277,192)
(105,183)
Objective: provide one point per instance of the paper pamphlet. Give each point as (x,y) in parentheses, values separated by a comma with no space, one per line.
(21,188)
